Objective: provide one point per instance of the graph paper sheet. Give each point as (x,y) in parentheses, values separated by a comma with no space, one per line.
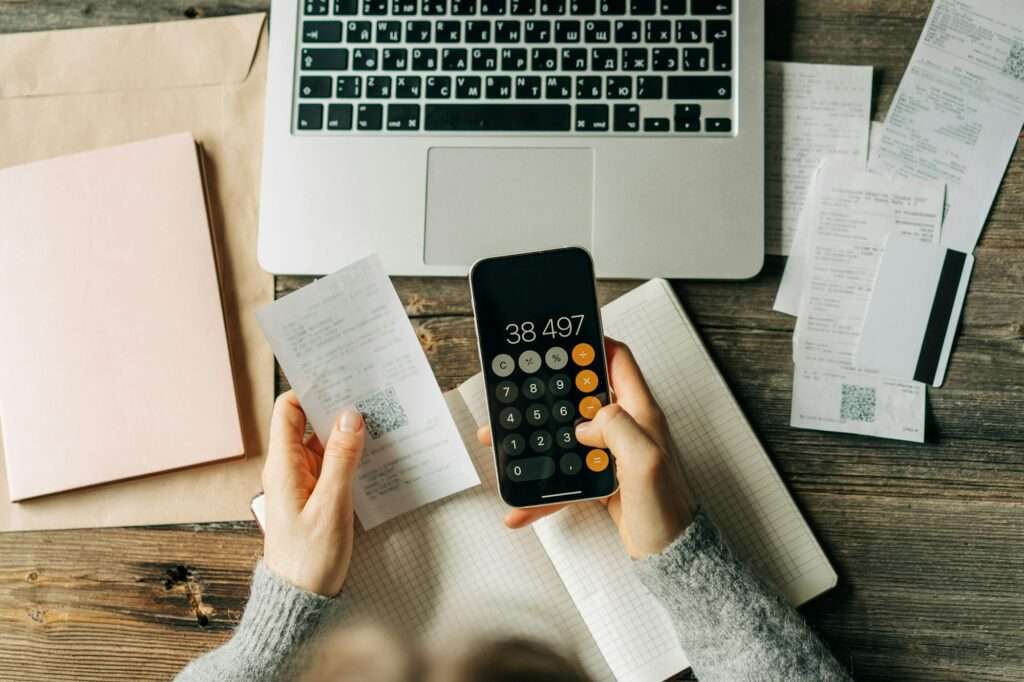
(451,570)
(730,475)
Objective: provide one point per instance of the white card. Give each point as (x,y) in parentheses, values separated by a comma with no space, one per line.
(345,341)
(912,318)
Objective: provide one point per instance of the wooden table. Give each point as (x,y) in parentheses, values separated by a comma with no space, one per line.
(928,539)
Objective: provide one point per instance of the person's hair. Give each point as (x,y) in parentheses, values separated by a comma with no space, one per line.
(515,660)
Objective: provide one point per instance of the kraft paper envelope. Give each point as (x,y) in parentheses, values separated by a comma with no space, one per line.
(71,91)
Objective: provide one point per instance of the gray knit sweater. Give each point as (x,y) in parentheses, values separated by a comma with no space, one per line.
(732,626)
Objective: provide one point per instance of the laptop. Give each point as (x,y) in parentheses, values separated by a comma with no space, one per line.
(438,132)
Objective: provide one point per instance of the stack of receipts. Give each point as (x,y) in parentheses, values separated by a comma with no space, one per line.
(881,254)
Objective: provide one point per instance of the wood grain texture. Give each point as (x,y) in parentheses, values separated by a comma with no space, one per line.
(927,538)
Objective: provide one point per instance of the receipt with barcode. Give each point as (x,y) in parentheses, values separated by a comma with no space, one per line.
(345,341)
(958,111)
(850,214)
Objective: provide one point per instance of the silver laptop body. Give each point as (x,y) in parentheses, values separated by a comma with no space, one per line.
(437,132)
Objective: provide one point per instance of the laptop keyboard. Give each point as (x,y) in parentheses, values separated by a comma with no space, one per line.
(630,67)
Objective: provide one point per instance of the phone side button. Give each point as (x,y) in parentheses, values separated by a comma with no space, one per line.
(530,469)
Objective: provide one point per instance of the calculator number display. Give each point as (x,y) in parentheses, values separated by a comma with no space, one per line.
(555,327)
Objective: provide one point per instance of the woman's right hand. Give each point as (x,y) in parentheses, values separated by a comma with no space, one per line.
(652,506)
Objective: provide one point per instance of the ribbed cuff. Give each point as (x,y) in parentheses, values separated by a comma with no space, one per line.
(279,618)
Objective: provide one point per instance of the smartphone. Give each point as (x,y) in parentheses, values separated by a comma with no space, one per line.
(538,328)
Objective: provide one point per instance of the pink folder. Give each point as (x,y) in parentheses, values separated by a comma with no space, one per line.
(113,355)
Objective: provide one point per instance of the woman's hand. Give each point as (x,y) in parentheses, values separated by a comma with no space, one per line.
(652,507)
(308,489)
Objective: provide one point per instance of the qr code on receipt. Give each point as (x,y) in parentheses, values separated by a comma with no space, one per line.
(382,412)
(1014,66)
(857,404)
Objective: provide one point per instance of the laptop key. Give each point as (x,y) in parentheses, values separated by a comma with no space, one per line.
(552,7)
(349,87)
(378,87)
(493,8)
(604,59)
(448,32)
(407,87)
(417,31)
(720,36)
(695,59)
(467,87)
(497,117)
(688,125)
(369,116)
(538,31)
(619,87)
(543,59)
(454,59)
(643,7)
(324,59)
(673,7)
(424,59)
(364,59)
(507,31)
(513,59)
(315,86)
(403,7)
(395,59)
(655,125)
(627,118)
(567,31)
(628,31)
(699,87)
(588,87)
(311,117)
(346,8)
(687,111)
(498,87)
(359,31)
(315,7)
(478,31)
(439,87)
(583,7)
(528,87)
(403,117)
(718,125)
(634,59)
(648,87)
(558,87)
(598,31)
(339,117)
(433,7)
(389,31)
(523,8)
(373,8)
(574,59)
(591,117)
(712,7)
(321,31)
(658,31)
(688,31)
(485,59)
(613,7)
(463,8)
(664,59)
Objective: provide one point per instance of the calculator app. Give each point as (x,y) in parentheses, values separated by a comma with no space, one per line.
(543,357)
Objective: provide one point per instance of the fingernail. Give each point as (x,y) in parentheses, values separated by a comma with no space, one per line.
(583,429)
(350,421)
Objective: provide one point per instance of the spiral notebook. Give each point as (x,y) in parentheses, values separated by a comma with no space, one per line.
(452,566)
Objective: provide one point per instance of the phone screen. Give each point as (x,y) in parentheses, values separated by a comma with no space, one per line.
(542,351)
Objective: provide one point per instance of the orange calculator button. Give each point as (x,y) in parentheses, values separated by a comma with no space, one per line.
(586,381)
(583,354)
(597,460)
(589,407)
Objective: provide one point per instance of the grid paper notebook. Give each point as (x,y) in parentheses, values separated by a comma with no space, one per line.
(452,568)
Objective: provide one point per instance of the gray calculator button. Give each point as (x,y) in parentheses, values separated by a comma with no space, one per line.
(570,463)
(513,444)
(562,412)
(529,361)
(506,392)
(537,414)
(530,469)
(510,419)
(559,385)
(533,388)
(503,365)
(566,437)
(556,357)
(540,441)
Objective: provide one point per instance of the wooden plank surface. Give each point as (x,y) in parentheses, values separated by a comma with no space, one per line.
(927,539)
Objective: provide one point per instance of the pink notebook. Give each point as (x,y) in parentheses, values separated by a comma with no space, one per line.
(113,355)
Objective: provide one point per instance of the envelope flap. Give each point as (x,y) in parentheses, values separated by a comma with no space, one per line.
(170,54)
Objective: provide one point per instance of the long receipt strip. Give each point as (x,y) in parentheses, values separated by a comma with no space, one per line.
(812,112)
(453,568)
(958,111)
(850,214)
(345,341)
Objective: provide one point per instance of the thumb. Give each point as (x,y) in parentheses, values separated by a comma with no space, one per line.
(613,428)
(342,454)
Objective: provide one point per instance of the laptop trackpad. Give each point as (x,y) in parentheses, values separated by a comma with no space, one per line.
(490,202)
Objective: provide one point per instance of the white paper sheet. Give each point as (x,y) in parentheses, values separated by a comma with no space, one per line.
(345,341)
(851,215)
(812,112)
(959,109)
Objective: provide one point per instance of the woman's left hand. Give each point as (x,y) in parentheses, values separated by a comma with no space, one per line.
(309,523)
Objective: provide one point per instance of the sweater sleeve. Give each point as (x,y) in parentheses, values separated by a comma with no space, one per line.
(277,621)
(732,626)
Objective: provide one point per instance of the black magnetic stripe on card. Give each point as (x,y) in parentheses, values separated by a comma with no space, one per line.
(938,318)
